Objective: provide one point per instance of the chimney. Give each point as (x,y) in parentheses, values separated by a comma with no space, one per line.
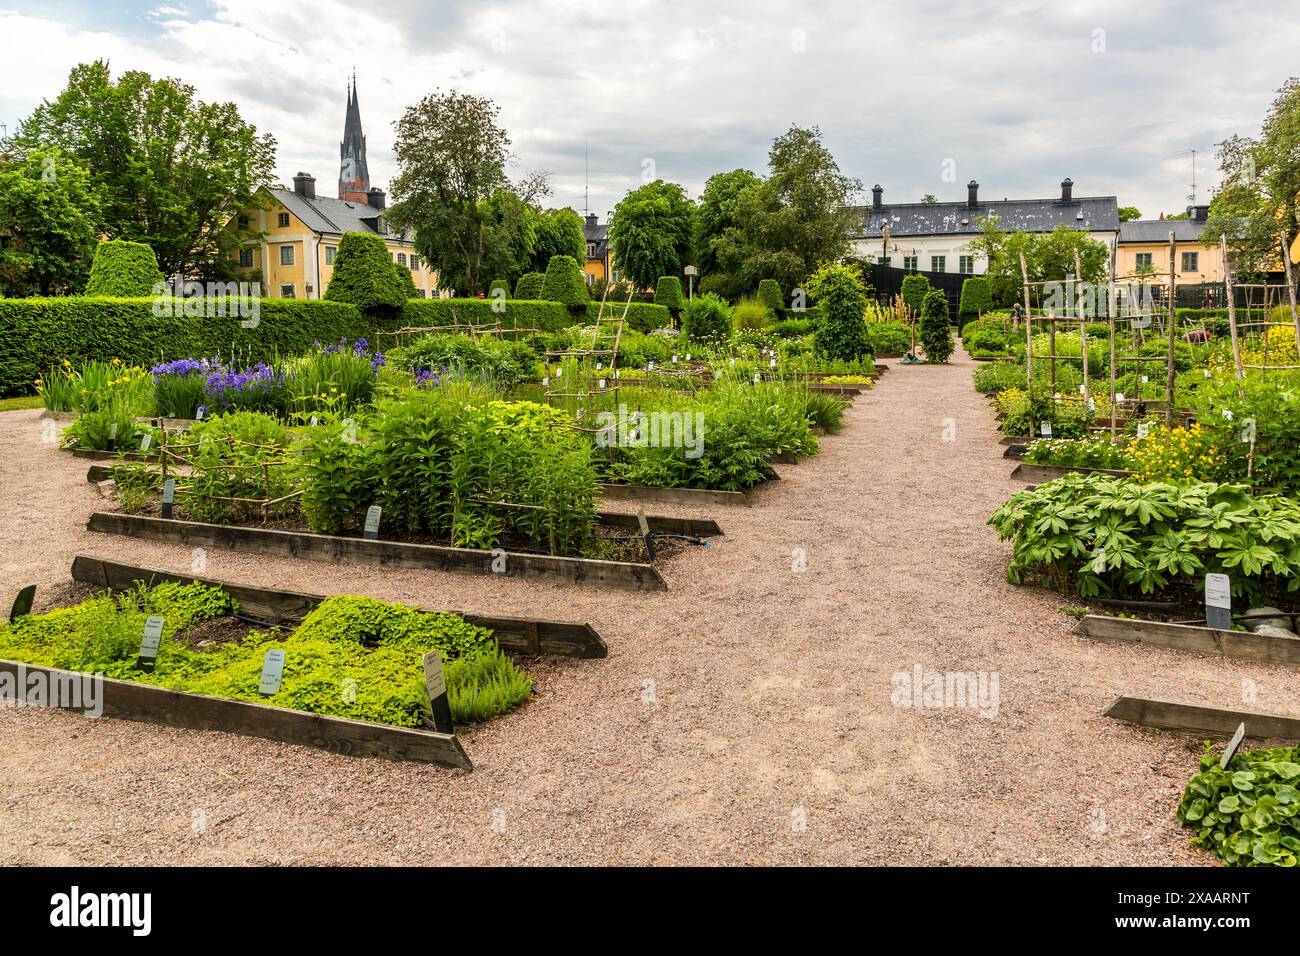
(1198,213)
(591,220)
(972,195)
(1067,190)
(877,202)
(305,185)
(375,197)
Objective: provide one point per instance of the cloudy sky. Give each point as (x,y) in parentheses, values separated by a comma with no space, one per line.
(915,95)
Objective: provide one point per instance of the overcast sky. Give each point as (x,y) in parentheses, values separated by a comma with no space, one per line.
(917,96)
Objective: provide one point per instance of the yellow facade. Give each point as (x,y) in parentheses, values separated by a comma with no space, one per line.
(1206,266)
(295,260)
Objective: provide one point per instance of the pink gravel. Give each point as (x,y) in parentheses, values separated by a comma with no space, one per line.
(769,737)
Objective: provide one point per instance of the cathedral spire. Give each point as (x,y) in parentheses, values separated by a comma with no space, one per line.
(354,173)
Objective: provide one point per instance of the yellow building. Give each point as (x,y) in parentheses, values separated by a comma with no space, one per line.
(597,268)
(293,239)
(1144,245)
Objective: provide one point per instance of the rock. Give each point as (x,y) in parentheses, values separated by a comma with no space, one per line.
(1257,617)
(1275,630)
(106,487)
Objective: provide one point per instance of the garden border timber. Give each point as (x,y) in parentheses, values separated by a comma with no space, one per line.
(1027,472)
(1174,715)
(520,635)
(321,547)
(146,703)
(1191,639)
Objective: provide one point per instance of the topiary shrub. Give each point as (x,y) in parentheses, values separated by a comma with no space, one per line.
(841,333)
(564,284)
(530,285)
(365,275)
(976,297)
(769,293)
(668,293)
(706,317)
(407,280)
(935,331)
(914,290)
(123,270)
(501,284)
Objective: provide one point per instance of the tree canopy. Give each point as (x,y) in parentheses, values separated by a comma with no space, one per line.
(50,212)
(650,232)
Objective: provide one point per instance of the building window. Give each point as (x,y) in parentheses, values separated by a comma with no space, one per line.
(286,291)
(246,258)
(415,262)
(286,255)
(909,263)
(1191,262)
(938,263)
(330,252)
(591,250)
(243,222)
(966,264)
(282,220)
(1143,260)
(882,260)
(401,258)
(614,277)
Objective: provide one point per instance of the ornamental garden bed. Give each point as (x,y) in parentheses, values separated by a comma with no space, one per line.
(1027,472)
(1192,639)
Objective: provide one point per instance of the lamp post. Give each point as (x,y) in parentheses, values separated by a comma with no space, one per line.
(691,273)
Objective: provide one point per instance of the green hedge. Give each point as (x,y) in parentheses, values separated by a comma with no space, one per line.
(516,314)
(641,316)
(36,334)
(123,268)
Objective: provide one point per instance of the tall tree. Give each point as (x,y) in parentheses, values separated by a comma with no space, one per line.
(451,156)
(559,233)
(168,169)
(650,232)
(1259,196)
(797,218)
(48,217)
(716,214)
(1048,257)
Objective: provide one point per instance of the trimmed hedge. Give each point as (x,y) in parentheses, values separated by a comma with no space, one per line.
(668,293)
(641,316)
(769,293)
(365,274)
(36,334)
(516,314)
(122,268)
(564,283)
(529,286)
(976,296)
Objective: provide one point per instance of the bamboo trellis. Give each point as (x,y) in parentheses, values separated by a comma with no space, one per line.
(1259,296)
(592,373)
(1145,317)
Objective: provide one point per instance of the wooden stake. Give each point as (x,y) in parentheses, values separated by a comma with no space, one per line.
(1232,308)
(1111,307)
(1083,323)
(1173,330)
(1029,327)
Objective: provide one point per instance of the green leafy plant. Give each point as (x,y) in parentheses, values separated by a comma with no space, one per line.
(706,318)
(564,284)
(530,285)
(841,333)
(365,275)
(935,331)
(123,269)
(769,293)
(1248,813)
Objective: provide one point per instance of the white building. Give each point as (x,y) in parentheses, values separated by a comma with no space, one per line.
(935,237)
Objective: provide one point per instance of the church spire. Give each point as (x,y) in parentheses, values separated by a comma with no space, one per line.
(354,173)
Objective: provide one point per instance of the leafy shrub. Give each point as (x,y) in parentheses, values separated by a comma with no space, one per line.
(498,284)
(999,376)
(914,290)
(668,293)
(1024,412)
(750,314)
(494,361)
(769,293)
(91,430)
(639,316)
(564,284)
(792,328)
(1078,453)
(530,285)
(888,337)
(976,296)
(365,275)
(1248,813)
(935,331)
(841,332)
(516,313)
(339,378)
(1225,409)
(984,340)
(1105,535)
(1175,454)
(123,269)
(705,318)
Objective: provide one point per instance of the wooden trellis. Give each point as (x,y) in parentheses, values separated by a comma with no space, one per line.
(1262,297)
(587,374)
(475,330)
(1146,318)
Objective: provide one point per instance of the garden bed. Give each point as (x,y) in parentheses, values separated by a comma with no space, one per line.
(515,634)
(680,496)
(1192,639)
(321,547)
(1173,715)
(1027,472)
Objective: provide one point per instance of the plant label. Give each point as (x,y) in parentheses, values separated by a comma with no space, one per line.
(436,686)
(644,526)
(1227,414)
(1144,428)
(733,360)
(112,437)
(150,641)
(641,521)
(1045,429)
(373,514)
(1218,602)
(546,381)
(559,371)
(145,442)
(272,673)
(1119,396)
(600,366)
(649,366)
(1230,751)
(757,378)
(1145,379)
(22,605)
(688,356)
(314,419)
(169,497)
(1207,373)
(717,374)
(1248,432)
(198,416)
(602,383)
(674,359)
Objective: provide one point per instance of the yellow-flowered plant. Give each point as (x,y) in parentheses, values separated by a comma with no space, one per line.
(1276,347)
(1174,454)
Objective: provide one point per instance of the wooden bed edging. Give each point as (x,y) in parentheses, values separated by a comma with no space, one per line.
(1027,472)
(354,738)
(1014,450)
(679,496)
(1172,715)
(322,547)
(1194,640)
(664,524)
(518,634)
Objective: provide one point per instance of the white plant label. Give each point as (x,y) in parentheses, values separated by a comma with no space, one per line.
(1218,602)
(1143,429)
(1119,396)
(151,639)
(272,672)
(145,442)
(373,514)
(1145,379)
(1045,429)
(198,415)
(772,363)
(112,431)
(314,420)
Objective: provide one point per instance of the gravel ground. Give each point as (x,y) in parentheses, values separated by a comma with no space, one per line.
(743,716)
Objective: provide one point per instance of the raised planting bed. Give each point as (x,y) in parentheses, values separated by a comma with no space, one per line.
(1015,450)
(1027,472)
(159,705)
(517,634)
(1173,715)
(1242,645)
(679,496)
(321,547)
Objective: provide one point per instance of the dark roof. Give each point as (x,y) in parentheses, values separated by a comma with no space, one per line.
(337,216)
(1157,230)
(1100,214)
(597,233)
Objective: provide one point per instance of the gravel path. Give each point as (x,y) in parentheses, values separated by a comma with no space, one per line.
(744,716)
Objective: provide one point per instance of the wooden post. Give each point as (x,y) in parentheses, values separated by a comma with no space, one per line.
(1232,308)
(1290,290)
(1111,308)
(1029,327)
(1173,330)
(1083,323)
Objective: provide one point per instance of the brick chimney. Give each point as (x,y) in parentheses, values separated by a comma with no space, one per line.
(1067,190)
(305,185)
(972,195)
(877,197)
